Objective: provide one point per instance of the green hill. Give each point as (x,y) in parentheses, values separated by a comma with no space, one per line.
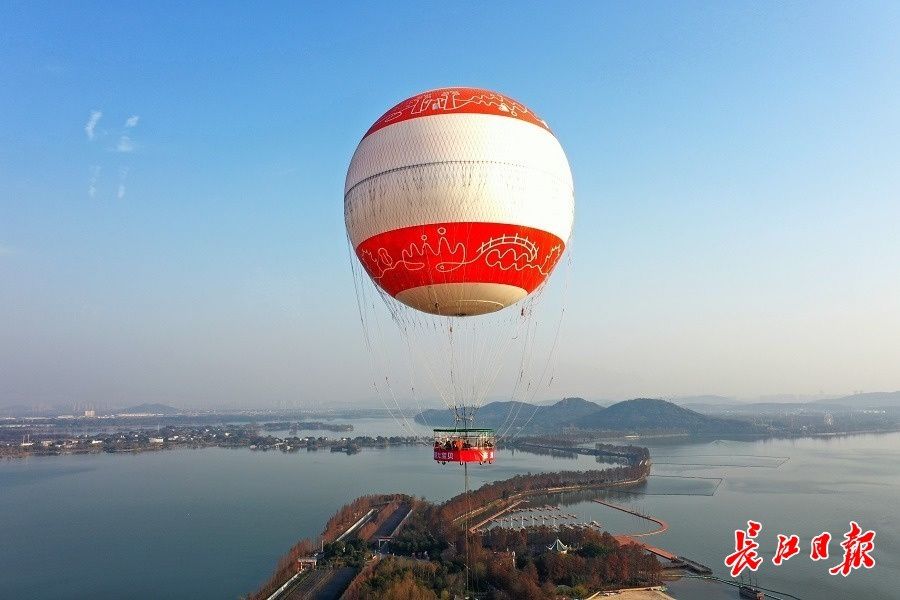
(639,415)
(513,415)
(645,414)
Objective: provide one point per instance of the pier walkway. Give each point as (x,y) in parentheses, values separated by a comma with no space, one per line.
(627,539)
(678,562)
(661,525)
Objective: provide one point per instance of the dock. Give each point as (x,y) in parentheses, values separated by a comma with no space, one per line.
(676,562)
(517,516)
(627,539)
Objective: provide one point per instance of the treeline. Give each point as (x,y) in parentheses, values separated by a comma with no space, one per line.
(285,569)
(627,453)
(351,513)
(371,528)
(425,533)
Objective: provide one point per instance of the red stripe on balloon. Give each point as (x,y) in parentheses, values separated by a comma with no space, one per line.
(454,101)
(439,253)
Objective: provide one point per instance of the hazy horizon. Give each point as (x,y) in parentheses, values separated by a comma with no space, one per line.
(171,211)
(409,407)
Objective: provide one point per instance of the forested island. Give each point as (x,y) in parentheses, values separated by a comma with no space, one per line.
(396,546)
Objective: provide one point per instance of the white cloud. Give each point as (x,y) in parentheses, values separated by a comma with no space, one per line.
(132,121)
(123,175)
(125,144)
(5,250)
(92,123)
(92,184)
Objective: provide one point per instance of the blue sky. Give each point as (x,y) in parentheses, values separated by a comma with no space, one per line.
(737,172)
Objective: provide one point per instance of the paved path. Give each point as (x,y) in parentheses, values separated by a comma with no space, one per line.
(389,526)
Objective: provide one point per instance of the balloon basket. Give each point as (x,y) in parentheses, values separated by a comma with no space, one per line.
(464,446)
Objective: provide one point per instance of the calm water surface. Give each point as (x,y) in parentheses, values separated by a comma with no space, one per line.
(212,523)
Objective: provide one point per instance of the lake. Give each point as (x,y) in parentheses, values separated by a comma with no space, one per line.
(212,523)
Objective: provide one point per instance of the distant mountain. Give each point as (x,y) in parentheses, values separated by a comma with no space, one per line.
(513,415)
(493,414)
(152,409)
(568,412)
(867,400)
(643,414)
(771,408)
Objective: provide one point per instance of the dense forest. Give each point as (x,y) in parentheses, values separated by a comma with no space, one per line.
(511,564)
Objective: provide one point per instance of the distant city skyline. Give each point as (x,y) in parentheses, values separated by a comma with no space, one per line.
(171,211)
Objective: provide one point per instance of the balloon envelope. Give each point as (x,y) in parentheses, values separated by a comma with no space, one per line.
(459,201)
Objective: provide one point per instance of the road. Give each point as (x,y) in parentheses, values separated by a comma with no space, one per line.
(321,584)
(390,524)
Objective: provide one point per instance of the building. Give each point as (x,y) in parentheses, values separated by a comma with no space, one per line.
(305,563)
(90,413)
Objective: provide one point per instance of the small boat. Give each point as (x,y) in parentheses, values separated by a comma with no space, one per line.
(750,592)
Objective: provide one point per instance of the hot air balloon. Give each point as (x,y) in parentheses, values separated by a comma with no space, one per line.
(458,204)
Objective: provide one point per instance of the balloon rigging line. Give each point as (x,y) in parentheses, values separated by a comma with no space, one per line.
(553,357)
(361,301)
